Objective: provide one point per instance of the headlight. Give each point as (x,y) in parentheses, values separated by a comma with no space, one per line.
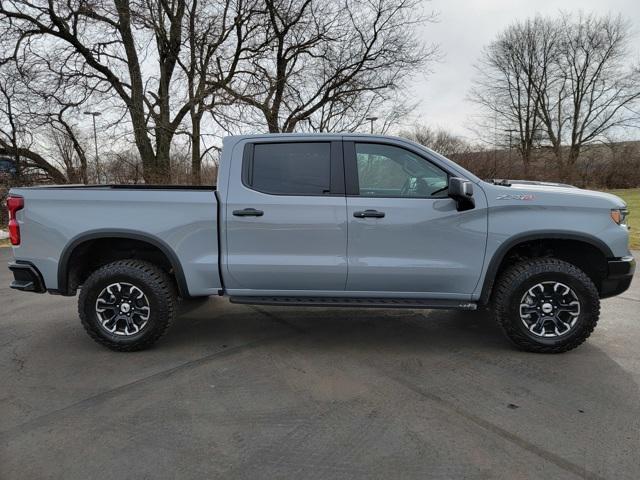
(619,215)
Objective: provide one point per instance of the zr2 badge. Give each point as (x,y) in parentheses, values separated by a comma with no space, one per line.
(512,196)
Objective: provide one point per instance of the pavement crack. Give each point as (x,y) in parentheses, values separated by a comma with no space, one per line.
(101,397)
(279,320)
(17,359)
(623,297)
(495,429)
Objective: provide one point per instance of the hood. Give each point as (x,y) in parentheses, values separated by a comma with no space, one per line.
(546,193)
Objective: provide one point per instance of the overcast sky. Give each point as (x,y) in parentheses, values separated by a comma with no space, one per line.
(464,27)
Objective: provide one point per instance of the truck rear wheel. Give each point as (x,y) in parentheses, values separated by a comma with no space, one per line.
(127,305)
(546,305)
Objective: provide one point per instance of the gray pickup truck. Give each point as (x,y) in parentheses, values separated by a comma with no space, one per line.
(327,220)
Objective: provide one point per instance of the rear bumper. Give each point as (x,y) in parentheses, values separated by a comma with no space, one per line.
(619,275)
(26,277)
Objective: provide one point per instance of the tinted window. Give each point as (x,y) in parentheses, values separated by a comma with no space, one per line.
(291,168)
(388,171)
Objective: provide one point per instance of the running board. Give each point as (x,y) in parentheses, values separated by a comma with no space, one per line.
(355,302)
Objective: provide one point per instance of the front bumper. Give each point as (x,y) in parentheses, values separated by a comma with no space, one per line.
(619,275)
(26,277)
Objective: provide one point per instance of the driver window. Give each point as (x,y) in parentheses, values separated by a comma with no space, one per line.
(388,171)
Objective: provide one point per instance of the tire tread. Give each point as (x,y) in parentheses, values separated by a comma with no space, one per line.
(150,273)
(515,275)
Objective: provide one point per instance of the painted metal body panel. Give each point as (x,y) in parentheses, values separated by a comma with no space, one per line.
(421,245)
(183,220)
(551,212)
(423,248)
(299,243)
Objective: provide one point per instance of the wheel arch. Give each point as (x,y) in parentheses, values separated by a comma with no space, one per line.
(86,238)
(542,237)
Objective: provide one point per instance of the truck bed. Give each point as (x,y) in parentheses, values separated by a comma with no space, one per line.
(181,221)
(122,186)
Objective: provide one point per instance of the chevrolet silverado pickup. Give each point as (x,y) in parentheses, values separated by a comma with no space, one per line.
(331,220)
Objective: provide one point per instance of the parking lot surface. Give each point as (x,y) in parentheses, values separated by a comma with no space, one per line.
(268,392)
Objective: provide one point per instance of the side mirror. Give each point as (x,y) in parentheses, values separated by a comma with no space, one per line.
(461,190)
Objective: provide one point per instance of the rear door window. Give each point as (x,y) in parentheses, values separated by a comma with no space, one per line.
(301,168)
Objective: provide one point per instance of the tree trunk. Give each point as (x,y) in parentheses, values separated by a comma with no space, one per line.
(526,164)
(161,169)
(135,104)
(560,167)
(55,174)
(83,171)
(272,123)
(570,164)
(196,160)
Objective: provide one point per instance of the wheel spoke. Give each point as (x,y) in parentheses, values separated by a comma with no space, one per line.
(111,323)
(549,309)
(122,309)
(538,325)
(559,286)
(532,290)
(560,326)
(526,309)
(143,312)
(102,305)
(572,308)
(131,327)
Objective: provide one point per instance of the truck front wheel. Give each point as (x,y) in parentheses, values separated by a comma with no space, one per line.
(127,305)
(546,305)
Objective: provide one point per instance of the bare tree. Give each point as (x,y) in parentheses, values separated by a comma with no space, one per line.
(438,140)
(219,35)
(16,137)
(123,167)
(9,135)
(508,83)
(563,82)
(40,104)
(324,62)
(353,113)
(69,150)
(591,90)
(129,47)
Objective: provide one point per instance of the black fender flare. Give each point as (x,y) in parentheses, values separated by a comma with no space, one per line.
(509,243)
(65,257)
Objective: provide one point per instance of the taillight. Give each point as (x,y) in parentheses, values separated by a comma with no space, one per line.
(14,204)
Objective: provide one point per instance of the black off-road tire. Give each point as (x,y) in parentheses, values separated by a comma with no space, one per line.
(514,283)
(156,284)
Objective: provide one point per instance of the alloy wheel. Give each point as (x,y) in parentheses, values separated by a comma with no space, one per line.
(122,309)
(549,309)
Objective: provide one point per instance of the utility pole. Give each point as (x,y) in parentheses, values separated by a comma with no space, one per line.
(510,131)
(495,144)
(95,140)
(371,119)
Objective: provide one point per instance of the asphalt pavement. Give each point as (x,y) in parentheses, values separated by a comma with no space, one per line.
(246,392)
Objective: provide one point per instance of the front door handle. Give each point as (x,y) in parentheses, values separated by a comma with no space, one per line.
(369,214)
(248,212)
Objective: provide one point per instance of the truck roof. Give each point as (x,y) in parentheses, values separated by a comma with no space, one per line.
(317,134)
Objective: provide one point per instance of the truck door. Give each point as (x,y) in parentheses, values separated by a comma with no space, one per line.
(406,237)
(286,221)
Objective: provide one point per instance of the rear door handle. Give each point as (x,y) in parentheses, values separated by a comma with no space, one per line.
(369,214)
(248,212)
